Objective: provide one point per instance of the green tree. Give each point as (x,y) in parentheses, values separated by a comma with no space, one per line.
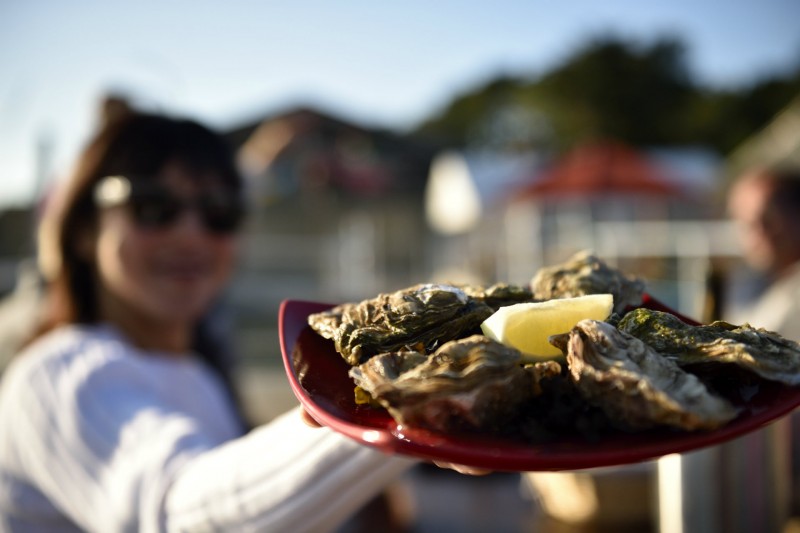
(610,88)
(724,119)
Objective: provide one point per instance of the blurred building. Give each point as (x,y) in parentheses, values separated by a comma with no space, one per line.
(336,215)
(649,212)
(341,212)
(777,143)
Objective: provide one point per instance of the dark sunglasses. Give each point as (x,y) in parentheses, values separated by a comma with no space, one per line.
(156,208)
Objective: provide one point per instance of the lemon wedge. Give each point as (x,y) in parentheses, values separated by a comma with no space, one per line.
(527,326)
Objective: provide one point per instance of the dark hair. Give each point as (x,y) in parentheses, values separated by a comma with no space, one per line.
(785,181)
(134,144)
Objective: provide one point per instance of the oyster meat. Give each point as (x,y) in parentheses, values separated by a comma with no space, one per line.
(421,317)
(759,351)
(473,383)
(583,274)
(635,385)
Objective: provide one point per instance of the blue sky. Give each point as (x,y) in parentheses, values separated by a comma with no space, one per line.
(380,63)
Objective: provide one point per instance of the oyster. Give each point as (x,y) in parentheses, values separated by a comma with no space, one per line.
(499,294)
(560,410)
(421,317)
(634,384)
(468,384)
(583,274)
(759,351)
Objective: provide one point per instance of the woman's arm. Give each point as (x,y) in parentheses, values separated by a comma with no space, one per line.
(103,441)
(284,476)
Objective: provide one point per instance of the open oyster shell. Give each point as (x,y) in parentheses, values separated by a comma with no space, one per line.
(583,274)
(762,352)
(634,384)
(469,384)
(420,317)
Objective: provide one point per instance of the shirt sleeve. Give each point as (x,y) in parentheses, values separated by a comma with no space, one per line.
(106,452)
(284,476)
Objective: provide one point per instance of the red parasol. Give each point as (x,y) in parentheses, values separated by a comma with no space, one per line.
(602,168)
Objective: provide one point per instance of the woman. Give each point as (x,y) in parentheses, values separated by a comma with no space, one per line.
(119,415)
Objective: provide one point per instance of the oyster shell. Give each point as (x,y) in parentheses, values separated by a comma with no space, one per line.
(634,384)
(468,384)
(583,274)
(421,317)
(762,352)
(499,294)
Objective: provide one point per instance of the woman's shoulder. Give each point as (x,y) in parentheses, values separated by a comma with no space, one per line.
(74,339)
(58,372)
(65,350)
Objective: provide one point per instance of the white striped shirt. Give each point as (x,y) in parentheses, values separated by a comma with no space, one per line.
(96,435)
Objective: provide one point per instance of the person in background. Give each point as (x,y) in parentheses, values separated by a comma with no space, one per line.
(120,414)
(765,204)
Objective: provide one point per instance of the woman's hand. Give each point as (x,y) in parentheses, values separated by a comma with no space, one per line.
(463,469)
(309,420)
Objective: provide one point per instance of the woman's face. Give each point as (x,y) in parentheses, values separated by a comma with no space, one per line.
(167,274)
(749,206)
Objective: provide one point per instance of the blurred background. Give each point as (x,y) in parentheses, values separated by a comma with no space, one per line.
(386,145)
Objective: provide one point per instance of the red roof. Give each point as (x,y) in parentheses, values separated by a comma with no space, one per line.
(601,168)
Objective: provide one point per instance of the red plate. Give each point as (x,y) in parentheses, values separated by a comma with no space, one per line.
(318,377)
